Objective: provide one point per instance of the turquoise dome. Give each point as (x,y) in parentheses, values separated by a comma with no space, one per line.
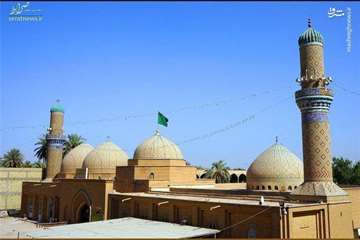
(310,36)
(57,108)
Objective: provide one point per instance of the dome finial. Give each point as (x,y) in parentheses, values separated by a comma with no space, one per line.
(310,36)
(157,132)
(57,107)
(276,139)
(309,22)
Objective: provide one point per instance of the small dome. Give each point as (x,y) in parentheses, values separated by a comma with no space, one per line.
(106,156)
(276,167)
(75,158)
(310,36)
(57,108)
(158,147)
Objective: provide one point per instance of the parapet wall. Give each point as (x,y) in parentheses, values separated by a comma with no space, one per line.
(11,182)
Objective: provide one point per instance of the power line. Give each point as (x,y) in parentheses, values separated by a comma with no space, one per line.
(346,90)
(245,220)
(149,114)
(231,125)
(235,124)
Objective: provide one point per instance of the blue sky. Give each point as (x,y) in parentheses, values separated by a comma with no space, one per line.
(109,60)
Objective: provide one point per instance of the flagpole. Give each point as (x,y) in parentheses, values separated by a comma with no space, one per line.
(157,123)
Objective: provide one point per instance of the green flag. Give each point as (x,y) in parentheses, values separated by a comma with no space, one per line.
(162,120)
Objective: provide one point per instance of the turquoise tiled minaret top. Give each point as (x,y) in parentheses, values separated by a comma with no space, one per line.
(310,36)
(57,107)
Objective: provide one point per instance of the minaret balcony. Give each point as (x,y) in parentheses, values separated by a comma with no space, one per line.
(314,99)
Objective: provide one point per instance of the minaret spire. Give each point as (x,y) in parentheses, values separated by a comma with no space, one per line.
(55,141)
(314,101)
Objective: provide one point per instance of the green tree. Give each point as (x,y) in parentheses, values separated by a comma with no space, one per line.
(38,164)
(13,158)
(355,179)
(218,171)
(27,164)
(72,141)
(41,149)
(342,170)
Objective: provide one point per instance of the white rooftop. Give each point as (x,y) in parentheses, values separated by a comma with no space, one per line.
(210,199)
(198,198)
(123,228)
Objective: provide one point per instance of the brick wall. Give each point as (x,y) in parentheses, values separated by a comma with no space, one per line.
(11,182)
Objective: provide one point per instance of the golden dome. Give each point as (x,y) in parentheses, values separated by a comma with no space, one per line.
(75,158)
(158,147)
(277,168)
(106,156)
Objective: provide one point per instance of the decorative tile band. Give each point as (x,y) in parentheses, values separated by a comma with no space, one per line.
(315,116)
(314,91)
(55,142)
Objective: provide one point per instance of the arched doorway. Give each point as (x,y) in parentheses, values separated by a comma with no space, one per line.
(83,214)
(233,178)
(81,207)
(242,178)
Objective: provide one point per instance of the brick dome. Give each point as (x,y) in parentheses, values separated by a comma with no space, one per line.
(158,147)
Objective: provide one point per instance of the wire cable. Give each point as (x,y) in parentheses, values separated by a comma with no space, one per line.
(149,114)
(245,220)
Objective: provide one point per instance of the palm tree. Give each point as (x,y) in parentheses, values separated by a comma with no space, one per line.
(13,158)
(219,171)
(41,150)
(72,141)
(38,164)
(27,164)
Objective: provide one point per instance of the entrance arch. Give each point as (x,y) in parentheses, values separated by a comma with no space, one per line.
(83,214)
(233,178)
(242,178)
(81,207)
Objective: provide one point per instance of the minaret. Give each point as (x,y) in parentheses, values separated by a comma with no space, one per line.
(314,100)
(55,140)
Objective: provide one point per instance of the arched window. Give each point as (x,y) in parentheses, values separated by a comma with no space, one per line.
(295,187)
(257,187)
(276,188)
(269,187)
(197,176)
(290,188)
(151,176)
(203,175)
(263,187)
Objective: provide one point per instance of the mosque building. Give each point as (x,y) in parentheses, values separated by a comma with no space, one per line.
(283,197)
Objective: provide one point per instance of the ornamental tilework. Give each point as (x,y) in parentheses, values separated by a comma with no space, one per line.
(315,116)
(317,156)
(319,188)
(314,91)
(311,58)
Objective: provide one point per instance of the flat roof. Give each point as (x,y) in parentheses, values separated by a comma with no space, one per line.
(224,200)
(198,198)
(128,227)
